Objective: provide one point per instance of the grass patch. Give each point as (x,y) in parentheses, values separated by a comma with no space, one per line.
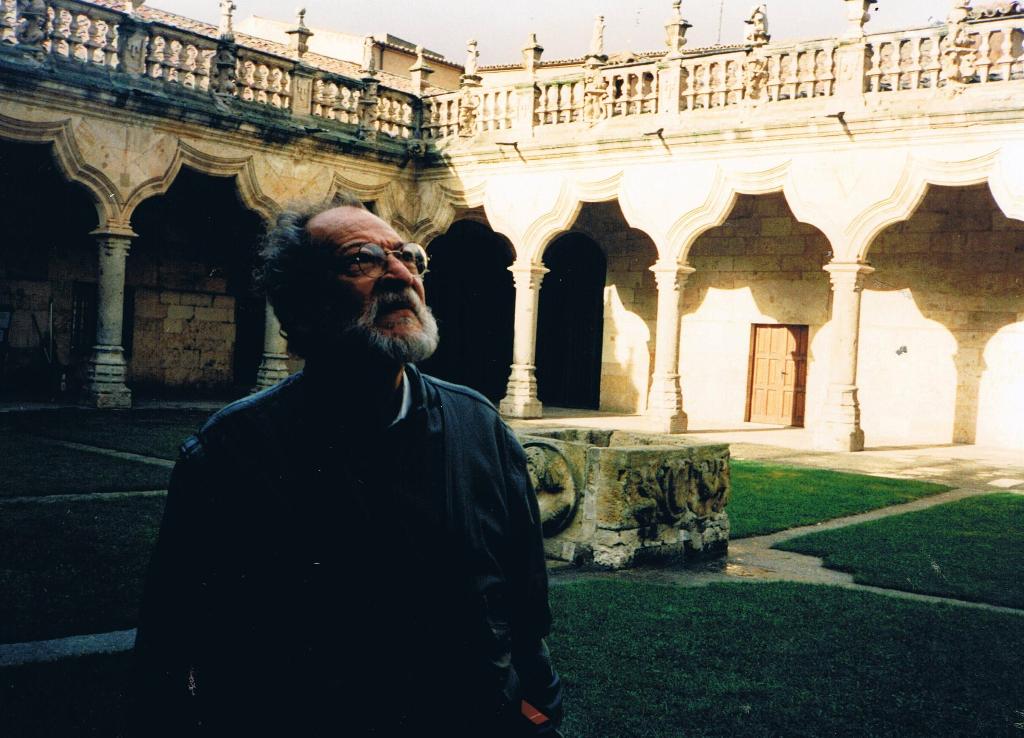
(148,432)
(29,467)
(780,659)
(73,567)
(972,549)
(650,661)
(768,497)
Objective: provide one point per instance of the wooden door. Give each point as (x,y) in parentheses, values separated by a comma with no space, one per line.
(778,374)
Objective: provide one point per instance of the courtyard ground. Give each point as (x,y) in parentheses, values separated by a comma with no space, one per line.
(764,642)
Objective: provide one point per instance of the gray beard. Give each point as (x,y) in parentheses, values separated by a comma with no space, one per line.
(413,347)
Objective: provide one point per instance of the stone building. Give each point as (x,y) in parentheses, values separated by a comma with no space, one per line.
(826,233)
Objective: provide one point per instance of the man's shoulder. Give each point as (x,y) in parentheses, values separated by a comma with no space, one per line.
(253,411)
(461,394)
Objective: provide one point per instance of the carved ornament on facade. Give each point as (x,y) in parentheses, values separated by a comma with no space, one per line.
(755,78)
(32,30)
(223,81)
(957,52)
(674,490)
(553,481)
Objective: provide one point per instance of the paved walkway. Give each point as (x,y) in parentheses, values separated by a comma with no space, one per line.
(972,470)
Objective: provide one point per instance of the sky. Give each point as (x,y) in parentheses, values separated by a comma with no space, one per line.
(564,27)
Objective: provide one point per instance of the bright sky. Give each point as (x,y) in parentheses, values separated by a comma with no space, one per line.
(564,26)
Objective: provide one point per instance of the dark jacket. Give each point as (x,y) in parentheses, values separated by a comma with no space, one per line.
(310,576)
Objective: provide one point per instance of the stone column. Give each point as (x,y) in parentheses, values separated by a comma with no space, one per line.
(521,398)
(840,427)
(665,400)
(274,364)
(105,385)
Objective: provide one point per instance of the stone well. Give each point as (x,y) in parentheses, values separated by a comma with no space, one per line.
(615,499)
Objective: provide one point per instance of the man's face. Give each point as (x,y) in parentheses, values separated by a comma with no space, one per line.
(386,315)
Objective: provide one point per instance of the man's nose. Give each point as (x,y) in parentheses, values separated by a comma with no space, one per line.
(396,269)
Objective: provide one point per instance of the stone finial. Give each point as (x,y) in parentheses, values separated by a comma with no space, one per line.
(532,53)
(420,72)
(129,6)
(299,36)
(857,14)
(597,38)
(757,31)
(675,31)
(472,57)
(226,29)
(369,56)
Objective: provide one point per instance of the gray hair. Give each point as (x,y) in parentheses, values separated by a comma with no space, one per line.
(293,272)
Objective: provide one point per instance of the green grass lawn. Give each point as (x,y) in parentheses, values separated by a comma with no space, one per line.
(769,497)
(75,567)
(147,432)
(972,549)
(29,467)
(650,661)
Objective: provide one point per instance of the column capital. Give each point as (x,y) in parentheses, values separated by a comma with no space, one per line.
(528,275)
(114,230)
(671,275)
(848,274)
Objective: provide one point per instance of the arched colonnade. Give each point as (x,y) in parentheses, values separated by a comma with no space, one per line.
(846,199)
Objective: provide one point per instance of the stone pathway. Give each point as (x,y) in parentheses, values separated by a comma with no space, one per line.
(754,559)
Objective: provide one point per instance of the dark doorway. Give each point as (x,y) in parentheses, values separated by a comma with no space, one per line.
(570,326)
(470,290)
(192,270)
(45,253)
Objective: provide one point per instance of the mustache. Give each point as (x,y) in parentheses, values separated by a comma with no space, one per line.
(389,301)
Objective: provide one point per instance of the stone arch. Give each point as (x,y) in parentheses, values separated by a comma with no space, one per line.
(106,196)
(48,268)
(758,278)
(958,261)
(241,168)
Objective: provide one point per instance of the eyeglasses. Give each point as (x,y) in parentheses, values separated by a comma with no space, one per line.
(371,260)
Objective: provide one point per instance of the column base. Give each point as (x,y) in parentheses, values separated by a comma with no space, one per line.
(273,368)
(105,387)
(836,437)
(524,408)
(521,398)
(664,423)
(840,429)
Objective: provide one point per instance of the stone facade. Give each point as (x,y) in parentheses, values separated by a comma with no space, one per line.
(728,187)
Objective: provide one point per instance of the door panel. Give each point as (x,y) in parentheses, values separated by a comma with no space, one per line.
(778,374)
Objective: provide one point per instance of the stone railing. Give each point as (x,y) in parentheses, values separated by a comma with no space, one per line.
(982,51)
(170,55)
(970,49)
(441,115)
(264,78)
(559,101)
(396,114)
(497,108)
(336,98)
(76,31)
(101,39)
(629,90)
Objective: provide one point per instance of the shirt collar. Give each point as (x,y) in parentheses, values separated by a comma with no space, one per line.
(406,406)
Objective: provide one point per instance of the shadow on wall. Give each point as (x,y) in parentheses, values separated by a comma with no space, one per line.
(941,334)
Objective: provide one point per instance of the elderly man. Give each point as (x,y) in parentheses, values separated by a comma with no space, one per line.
(357,550)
